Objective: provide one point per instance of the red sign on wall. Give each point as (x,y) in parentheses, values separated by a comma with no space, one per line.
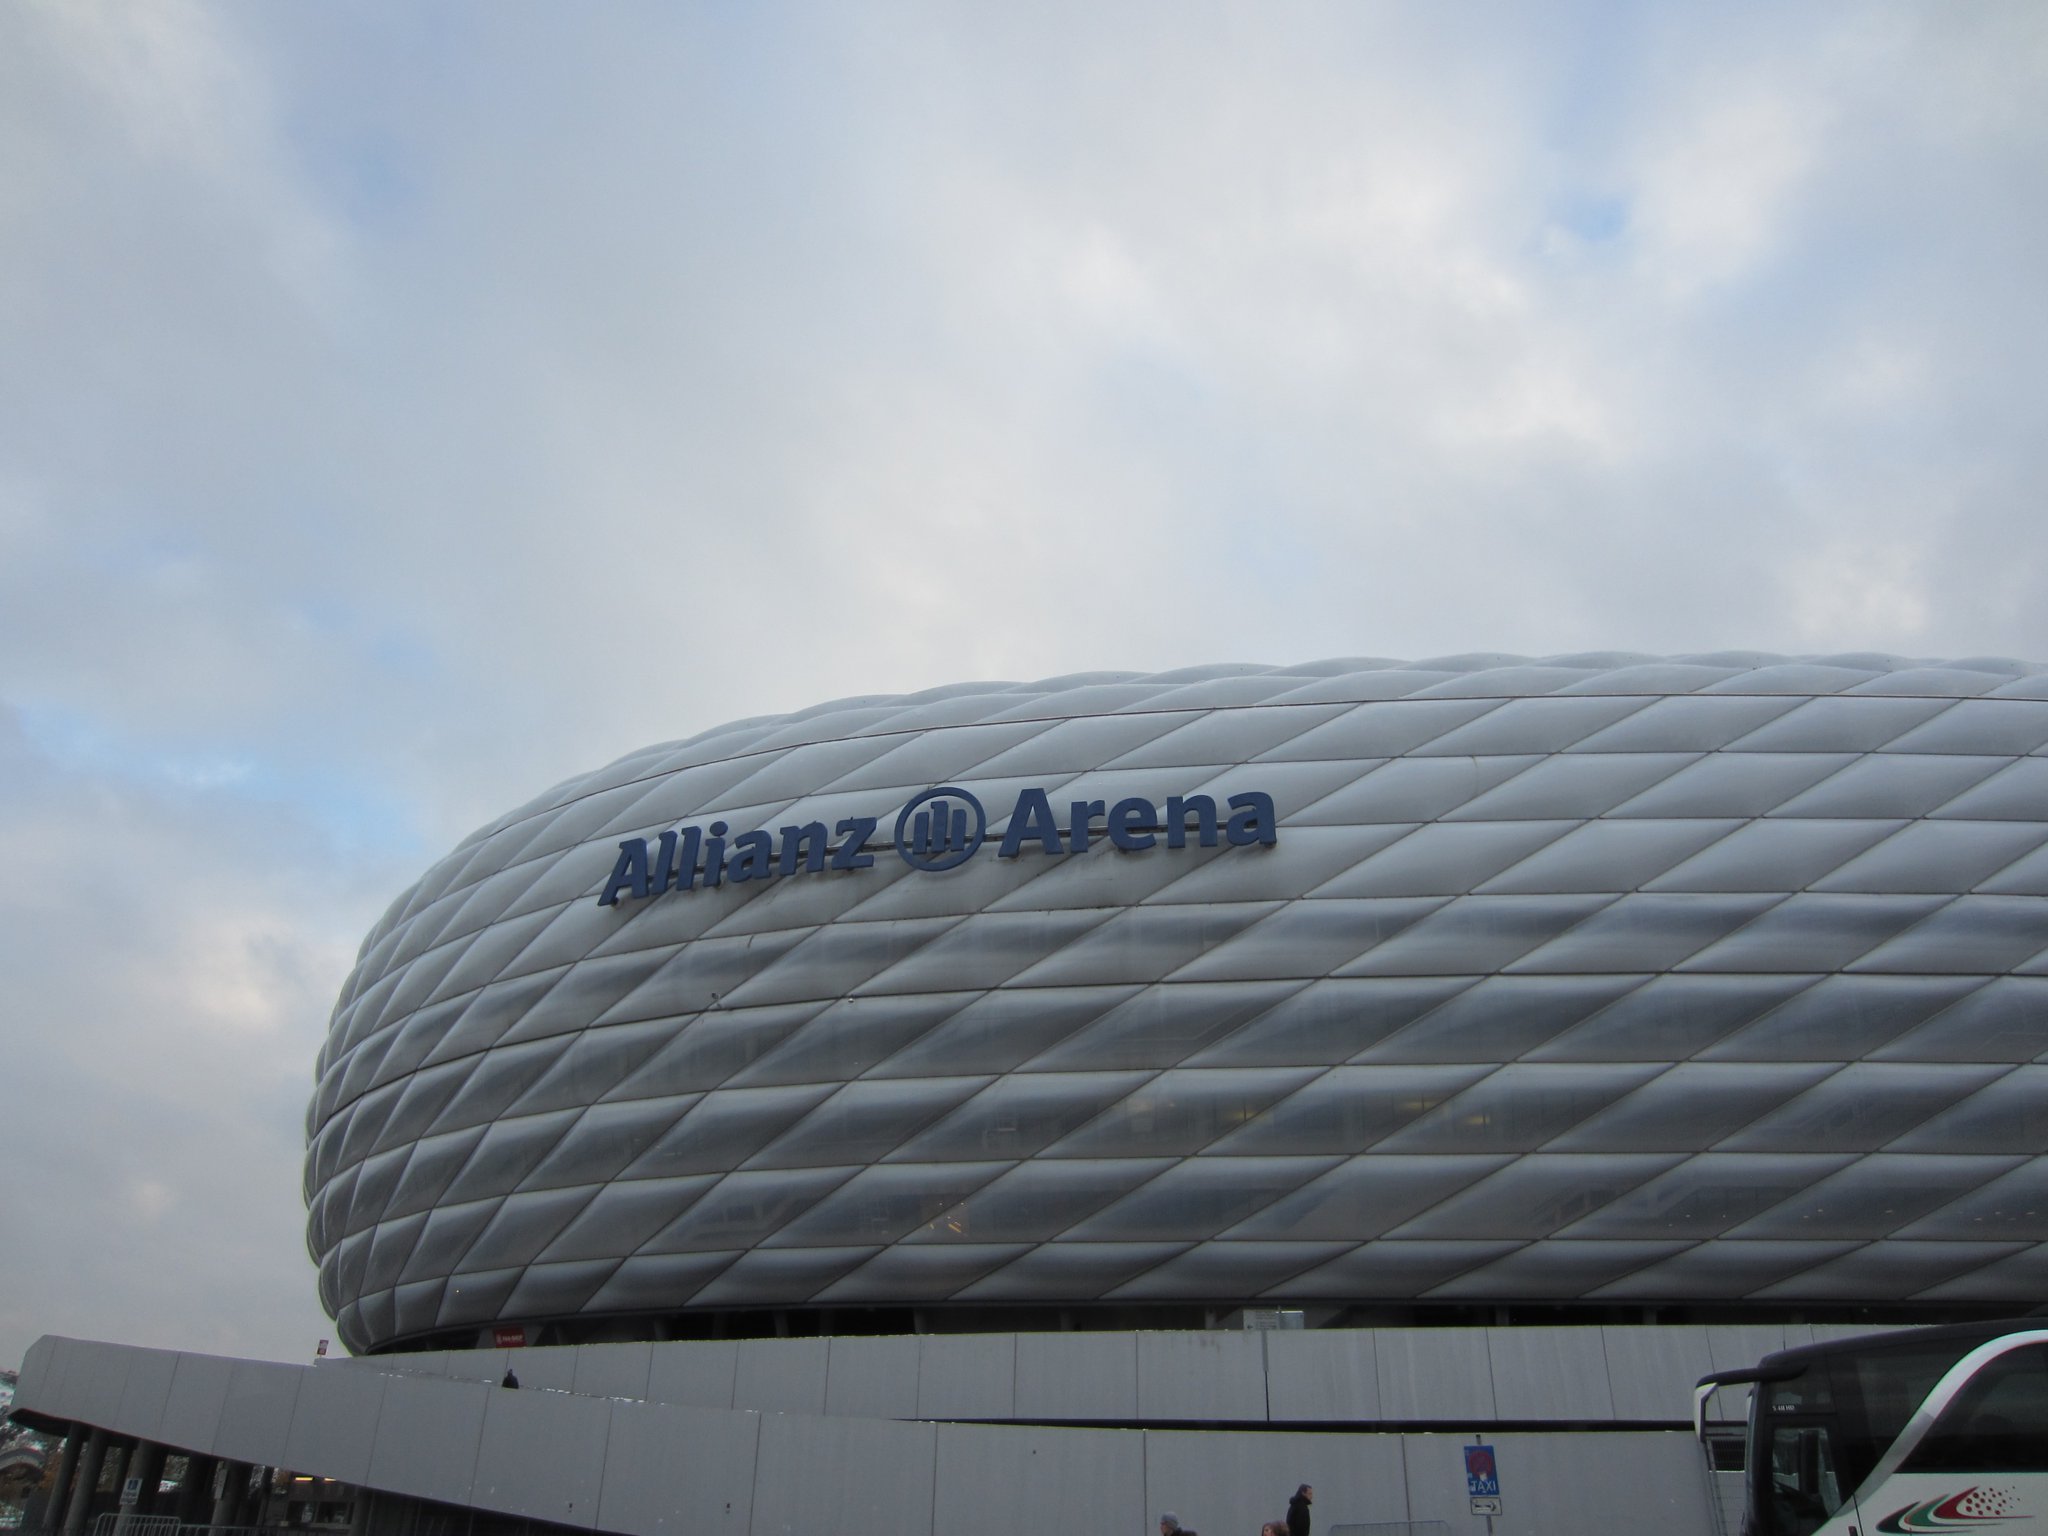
(509,1338)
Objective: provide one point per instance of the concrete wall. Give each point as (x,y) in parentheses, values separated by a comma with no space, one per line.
(1400,1375)
(871,1450)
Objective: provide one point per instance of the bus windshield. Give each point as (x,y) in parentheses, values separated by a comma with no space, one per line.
(1798,1431)
(1818,1435)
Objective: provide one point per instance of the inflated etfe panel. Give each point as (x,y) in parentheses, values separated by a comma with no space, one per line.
(1481,978)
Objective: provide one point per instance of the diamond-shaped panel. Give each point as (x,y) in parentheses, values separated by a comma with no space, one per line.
(1632,977)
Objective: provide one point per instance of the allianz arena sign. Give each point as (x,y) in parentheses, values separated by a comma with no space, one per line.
(938,830)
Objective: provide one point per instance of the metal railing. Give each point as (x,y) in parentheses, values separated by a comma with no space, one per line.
(1394,1528)
(168,1525)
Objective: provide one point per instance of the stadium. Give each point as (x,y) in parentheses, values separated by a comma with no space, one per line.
(1514,1038)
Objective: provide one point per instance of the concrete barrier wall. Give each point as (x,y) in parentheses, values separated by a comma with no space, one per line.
(579,1446)
(1328,1375)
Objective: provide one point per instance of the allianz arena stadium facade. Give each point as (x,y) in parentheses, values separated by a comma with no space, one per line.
(1360,987)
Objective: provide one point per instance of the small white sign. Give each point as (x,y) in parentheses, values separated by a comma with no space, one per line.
(1486,1506)
(131,1491)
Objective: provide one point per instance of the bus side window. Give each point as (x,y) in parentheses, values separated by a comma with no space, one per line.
(1997,1423)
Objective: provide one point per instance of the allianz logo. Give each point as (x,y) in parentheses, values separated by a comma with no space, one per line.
(937,830)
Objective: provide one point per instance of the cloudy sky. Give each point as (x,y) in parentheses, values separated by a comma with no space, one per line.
(404,407)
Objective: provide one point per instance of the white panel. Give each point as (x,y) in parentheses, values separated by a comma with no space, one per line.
(1565,1482)
(1549,1373)
(699,1375)
(144,1392)
(542,1455)
(1223,1484)
(669,1468)
(1201,1376)
(1434,1373)
(967,1376)
(613,1370)
(872,1378)
(427,1436)
(1735,1346)
(554,1367)
(427,1362)
(1651,1371)
(35,1369)
(852,1477)
(95,1376)
(1077,1376)
(334,1423)
(257,1414)
(1323,1373)
(781,1375)
(199,1389)
(1039,1479)
(485,1365)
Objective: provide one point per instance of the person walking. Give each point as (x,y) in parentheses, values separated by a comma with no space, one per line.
(1169,1525)
(1297,1510)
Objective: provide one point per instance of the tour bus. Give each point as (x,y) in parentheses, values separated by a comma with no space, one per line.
(1927,1430)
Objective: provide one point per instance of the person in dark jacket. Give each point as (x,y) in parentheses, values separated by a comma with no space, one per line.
(1297,1510)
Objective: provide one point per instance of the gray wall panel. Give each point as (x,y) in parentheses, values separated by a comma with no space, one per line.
(427,1437)
(334,1422)
(192,1408)
(426,1362)
(41,1371)
(781,1375)
(1549,1373)
(1077,1376)
(1735,1345)
(1434,1373)
(95,1378)
(144,1392)
(612,1370)
(699,1375)
(967,1376)
(1229,1483)
(873,1378)
(1651,1371)
(1039,1479)
(859,1477)
(1201,1376)
(256,1417)
(485,1365)
(1552,1483)
(1322,1374)
(669,1468)
(542,1454)
(34,1369)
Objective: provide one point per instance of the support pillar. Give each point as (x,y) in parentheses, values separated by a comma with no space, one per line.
(196,1491)
(234,1482)
(67,1469)
(145,1463)
(87,1478)
(359,1513)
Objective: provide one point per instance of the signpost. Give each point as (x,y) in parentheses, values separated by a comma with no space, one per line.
(1482,1481)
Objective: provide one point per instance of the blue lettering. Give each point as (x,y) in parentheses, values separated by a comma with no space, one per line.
(1032,818)
(1202,808)
(854,833)
(683,873)
(1131,824)
(629,874)
(753,857)
(1251,820)
(807,840)
(714,855)
(1078,816)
